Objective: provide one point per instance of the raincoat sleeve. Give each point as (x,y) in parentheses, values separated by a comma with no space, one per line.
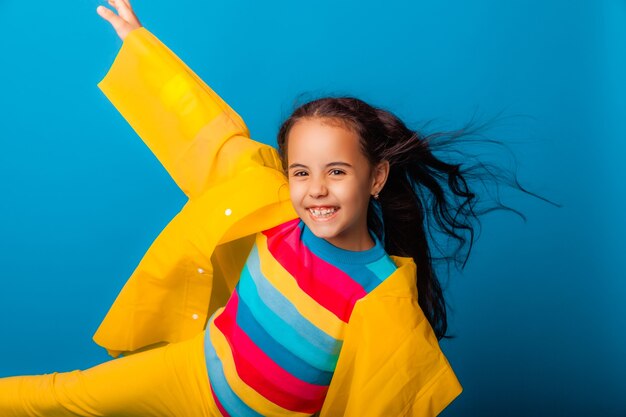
(390,364)
(229,178)
(197,137)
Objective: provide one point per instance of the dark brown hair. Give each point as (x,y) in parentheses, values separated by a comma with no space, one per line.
(421,192)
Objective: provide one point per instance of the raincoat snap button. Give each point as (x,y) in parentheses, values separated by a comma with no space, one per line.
(228,212)
(194,316)
(200,270)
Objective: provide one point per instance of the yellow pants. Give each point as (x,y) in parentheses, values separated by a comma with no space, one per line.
(170,380)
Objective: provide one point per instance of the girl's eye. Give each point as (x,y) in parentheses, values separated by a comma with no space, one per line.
(303,173)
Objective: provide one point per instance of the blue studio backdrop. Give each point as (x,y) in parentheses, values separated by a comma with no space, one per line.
(538,312)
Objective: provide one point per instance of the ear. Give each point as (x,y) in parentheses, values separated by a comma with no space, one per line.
(379,177)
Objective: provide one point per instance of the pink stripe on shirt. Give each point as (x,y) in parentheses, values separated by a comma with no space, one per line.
(331,287)
(261,373)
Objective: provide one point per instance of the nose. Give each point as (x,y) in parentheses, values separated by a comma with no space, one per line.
(317,187)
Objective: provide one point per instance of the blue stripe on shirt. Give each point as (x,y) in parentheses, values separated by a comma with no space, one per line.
(231,402)
(278,329)
(277,352)
(284,309)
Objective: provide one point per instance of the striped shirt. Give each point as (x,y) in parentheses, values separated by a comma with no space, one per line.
(272,350)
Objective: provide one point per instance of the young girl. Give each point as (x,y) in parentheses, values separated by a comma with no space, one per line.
(292,283)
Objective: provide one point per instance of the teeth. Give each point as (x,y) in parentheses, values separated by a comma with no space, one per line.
(322,212)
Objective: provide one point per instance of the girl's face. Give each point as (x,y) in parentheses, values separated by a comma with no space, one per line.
(331,181)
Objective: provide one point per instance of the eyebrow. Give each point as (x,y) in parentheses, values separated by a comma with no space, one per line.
(344,164)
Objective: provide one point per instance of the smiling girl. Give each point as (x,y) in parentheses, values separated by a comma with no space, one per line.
(294,282)
(331,181)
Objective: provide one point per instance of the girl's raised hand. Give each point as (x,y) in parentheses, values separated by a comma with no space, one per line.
(124,21)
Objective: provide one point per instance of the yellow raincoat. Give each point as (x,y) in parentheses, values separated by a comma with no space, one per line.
(390,362)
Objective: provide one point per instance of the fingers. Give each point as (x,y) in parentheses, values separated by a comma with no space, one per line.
(124,21)
(125,11)
(123,2)
(108,15)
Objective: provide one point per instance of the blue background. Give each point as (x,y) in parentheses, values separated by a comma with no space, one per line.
(538,312)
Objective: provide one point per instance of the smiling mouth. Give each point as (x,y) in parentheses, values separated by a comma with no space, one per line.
(323,213)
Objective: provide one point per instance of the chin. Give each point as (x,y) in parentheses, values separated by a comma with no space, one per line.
(323,234)
(319,231)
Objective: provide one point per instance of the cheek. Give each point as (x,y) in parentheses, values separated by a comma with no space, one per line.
(295,193)
(356,192)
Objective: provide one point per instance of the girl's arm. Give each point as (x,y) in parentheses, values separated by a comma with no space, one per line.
(197,137)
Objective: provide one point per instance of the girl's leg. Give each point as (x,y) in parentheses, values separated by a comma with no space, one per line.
(170,380)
